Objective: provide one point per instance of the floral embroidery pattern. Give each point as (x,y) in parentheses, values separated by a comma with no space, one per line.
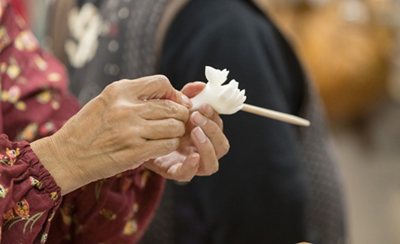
(3,67)
(14,94)
(26,41)
(49,96)
(46,129)
(40,63)
(10,157)
(44,238)
(54,77)
(54,196)
(9,215)
(145,177)
(135,207)
(20,106)
(51,217)
(4,38)
(13,71)
(35,182)
(3,191)
(131,227)
(66,212)
(32,220)
(29,133)
(127,183)
(97,189)
(21,208)
(108,214)
(131,215)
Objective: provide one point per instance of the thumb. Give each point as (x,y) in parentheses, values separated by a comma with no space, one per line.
(194,88)
(159,87)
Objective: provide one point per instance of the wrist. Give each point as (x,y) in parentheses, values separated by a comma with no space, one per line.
(59,166)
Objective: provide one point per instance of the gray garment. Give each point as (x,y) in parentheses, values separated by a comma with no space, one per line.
(134,38)
(325,214)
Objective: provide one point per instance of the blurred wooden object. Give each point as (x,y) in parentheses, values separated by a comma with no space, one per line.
(346,46)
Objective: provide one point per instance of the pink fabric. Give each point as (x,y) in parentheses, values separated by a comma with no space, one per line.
(35,103)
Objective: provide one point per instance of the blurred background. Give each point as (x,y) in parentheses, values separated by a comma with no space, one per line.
(351,49)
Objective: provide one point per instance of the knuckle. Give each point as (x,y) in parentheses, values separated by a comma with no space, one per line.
(214,169)
(171,145)
(220,122)
(178,128)
(225,148)
(173,127)
(211,170)
(184,179)
(170,107)
(162,80)
(185,115)
(111,90)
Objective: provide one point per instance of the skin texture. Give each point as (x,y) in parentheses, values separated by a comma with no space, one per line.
(132,122)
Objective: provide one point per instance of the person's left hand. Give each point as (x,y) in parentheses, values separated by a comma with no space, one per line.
(199,149)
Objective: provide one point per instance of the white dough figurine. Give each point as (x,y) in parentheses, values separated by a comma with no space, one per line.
(228,99)
(225,99)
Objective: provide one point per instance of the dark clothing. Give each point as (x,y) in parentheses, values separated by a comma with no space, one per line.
(260,192)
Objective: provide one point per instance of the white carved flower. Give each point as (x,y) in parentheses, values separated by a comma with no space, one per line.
(225,99)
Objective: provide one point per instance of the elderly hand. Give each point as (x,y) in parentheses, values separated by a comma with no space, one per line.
(199,149)
(130,122)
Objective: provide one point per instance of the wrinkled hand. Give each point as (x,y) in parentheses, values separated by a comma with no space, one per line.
(199,149)
(130,122)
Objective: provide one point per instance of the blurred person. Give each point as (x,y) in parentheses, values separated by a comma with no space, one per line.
(279,184)
(130,124)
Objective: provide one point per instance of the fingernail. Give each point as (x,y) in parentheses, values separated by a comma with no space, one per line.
(199,119)
(199,134)
(186,101)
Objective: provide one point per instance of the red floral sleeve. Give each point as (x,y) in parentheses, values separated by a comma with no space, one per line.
(34,98)
(35,103)
(29,196)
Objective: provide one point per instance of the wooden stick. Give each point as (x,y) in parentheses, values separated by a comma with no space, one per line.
(275,115)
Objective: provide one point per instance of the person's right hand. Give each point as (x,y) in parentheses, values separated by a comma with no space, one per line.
(130,122)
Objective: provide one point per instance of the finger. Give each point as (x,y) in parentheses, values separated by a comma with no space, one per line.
(163,109)
(194,88)
(209,162)
(210,113)
(184,172)
(213,132)
(159,87)
(175,170)
(163,129)
(158,148)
